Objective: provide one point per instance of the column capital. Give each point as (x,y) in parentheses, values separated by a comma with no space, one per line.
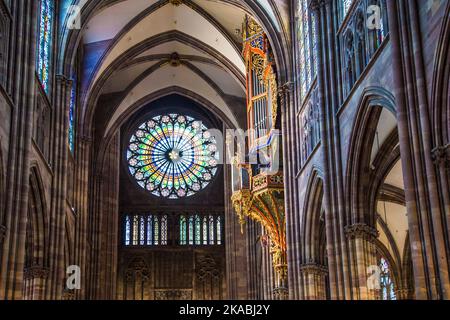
(361,230)
(441,154)
(36,272)
(314,268)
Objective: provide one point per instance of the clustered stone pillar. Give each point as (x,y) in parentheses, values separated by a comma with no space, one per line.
(363,255)
(34,282)
(313,277)
(427,217)
(81,258)
(18,168)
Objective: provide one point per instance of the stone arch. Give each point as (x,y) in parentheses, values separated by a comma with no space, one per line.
(440,108)
(441,85)
(394,268)
(35,265)
(279,39)
(358,178)
(314,267)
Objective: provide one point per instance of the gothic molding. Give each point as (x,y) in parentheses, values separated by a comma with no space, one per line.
(441,155)
(36,272)
(314,268)
(361,231)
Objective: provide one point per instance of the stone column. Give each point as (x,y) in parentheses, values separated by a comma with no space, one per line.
(24,30)
(82,246)
(363,256)
(34,283)
(333,201)
(426,215)
(59,153)
(314,281)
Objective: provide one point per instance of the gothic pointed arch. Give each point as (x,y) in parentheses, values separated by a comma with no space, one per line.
(314,268)
(358,181)
(36,265)
(441,85)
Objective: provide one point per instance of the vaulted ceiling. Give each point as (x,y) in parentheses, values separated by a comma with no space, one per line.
(136,48)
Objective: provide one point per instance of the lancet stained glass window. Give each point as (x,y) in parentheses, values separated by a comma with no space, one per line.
(172,156)
(145,230)
(72,105)
(45,42)
(307,44)
(386,283)
(200,229)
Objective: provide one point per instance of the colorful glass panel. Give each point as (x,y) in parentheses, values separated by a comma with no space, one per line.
(386,283)
(172,156)
(45,41)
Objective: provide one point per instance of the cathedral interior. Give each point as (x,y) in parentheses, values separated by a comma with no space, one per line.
(224,150)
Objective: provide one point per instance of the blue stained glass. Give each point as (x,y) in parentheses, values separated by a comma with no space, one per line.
(183,230)
(142,231)
(127,230)
(198,232)
(191,230)
(45,42)
(156,231)
(163,230)
(211,230)
(386,283)
(72,106)
(205,230)
(219,230)
(307,41)
(345,7)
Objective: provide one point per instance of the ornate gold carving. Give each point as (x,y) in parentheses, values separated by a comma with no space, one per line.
(265,204)
(242,202)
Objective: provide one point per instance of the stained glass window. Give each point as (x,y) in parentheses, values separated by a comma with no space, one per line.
(307,41)
(386,283)
(199,229)
(211,230)
(345,6)
(205,230)
(183,230)
(164,230)
(127,230)
(172,156)
(72,116)
(219,230)
(45,42)
(191,230)
(145,230)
